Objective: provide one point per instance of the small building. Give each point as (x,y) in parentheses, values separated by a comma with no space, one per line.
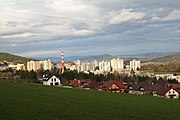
(80,83)
(143,88)
(53,80)
(171,91)
(20,67)
(136,89)
(1,63)
(172,94)
(113,86)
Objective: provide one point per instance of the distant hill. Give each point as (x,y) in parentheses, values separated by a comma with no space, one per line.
(146,57)
(97,57)
(13,58)
(82,58)
(169,58)
(58,59)
(143,57)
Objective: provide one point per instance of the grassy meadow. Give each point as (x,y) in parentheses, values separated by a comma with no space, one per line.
(23,101)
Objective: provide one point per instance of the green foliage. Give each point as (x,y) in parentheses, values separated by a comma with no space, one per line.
(35,102)
(162,67)
(173,81)
(170,58)
(19,75)
(13,58)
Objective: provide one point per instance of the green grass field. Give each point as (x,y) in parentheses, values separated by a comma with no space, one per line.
(178,73)
(23,101)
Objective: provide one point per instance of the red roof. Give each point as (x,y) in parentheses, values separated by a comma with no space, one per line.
(162,90)
(1,63)
(92,85)
(121,84)
(107,85)
(175,86)
(75,83)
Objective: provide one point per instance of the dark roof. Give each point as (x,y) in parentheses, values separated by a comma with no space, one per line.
(92,85)
(76,83)
(148,87)
(162,90)
(176,86)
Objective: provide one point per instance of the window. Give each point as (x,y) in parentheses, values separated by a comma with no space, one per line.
(56,83)
(52,79)
(51,83)
(169,92)
(173,92)
(55,79)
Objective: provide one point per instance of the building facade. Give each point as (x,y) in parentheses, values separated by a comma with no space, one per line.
(117,64)
(37,65)
(135,64)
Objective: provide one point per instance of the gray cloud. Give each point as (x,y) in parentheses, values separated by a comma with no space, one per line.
(44,27)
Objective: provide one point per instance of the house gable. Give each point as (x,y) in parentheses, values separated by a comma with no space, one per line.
(172,93)
(114,87)
(53,80)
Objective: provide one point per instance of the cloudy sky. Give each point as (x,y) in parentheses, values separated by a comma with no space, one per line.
(43,28)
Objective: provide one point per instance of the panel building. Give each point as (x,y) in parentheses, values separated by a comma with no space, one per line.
(37,65)
(105,66)
(135,64)
(117,64)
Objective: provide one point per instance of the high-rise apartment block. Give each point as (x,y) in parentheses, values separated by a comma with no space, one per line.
(37,65)
(134,65)
(105,66)
(117,64)
(46,64)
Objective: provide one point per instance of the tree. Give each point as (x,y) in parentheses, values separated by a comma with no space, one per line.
(173,81)
(32,76)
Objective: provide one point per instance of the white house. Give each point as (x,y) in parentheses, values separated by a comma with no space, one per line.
(53,80)
(172,93)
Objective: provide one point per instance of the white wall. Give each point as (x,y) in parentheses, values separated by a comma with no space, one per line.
(52,80)
(172,92)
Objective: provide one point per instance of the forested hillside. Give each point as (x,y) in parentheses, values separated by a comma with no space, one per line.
(13,58)
(170,58)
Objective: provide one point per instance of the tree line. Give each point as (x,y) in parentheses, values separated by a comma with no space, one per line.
(162,67)
(32,76)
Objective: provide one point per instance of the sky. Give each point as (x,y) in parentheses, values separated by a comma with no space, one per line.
(44,28)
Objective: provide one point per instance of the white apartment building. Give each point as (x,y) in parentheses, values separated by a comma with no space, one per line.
(33,65)
(117,64)
(37,65)
(46,64)
(20,67)
(94,64)
(135,64)
(78,65)
(105,66)
(82,67)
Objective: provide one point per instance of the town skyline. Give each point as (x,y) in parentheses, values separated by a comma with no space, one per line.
(44,28)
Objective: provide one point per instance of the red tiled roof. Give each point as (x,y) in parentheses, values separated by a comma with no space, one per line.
(121,84)
(175,86)
(107,85)
(162,90)
(92,85)
(1,63)
(75,83)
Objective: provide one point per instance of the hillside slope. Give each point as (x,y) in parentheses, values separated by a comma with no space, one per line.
(170,58)
(22,101)
(13,58)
